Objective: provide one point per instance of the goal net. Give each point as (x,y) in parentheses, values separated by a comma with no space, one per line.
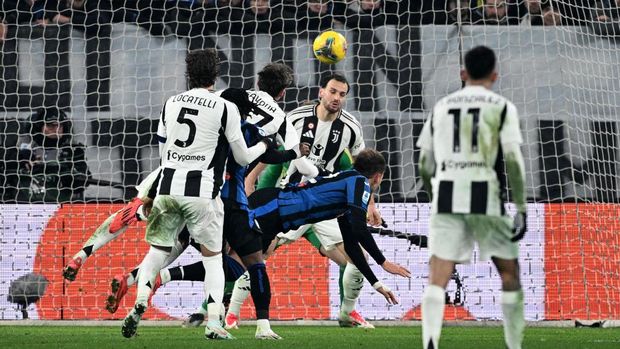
(109,68)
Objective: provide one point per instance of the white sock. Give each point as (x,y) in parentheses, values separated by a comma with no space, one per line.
(514,320)
(240,293)
(176,251)
(100,238)
(214,285)
(352,283)
(141,214)
(263,325)
(164,274)
(150,266)
(433,304)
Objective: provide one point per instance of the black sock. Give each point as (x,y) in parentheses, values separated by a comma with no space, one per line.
(261,290)
(192,272)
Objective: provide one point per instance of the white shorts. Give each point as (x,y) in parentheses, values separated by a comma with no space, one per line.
(327,231)
(146,184)
(204,219)
(452,237)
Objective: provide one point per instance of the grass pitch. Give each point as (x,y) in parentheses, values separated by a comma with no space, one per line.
(299,337)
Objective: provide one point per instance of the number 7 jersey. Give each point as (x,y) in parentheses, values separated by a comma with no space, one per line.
(465,133)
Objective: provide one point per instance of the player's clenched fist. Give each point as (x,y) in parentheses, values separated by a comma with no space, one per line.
(304,149)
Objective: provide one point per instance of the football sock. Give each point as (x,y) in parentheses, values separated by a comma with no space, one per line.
(164,274)
(260,289)
(433,303)
(133,276)
(240,293)
(175,252)
(263,325)
(150,266)
(203,308)
(100,238)
(340,284)
(352,281)
(214,286)
(514,321)
(191,272)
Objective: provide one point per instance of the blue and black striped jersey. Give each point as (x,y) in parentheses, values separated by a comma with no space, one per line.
(234,184)
(322,198)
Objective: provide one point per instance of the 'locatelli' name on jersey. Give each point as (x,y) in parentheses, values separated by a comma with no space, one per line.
(204,102)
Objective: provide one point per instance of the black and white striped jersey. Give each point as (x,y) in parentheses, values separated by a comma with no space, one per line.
(465,132)
(272,119)
(196,128)
(327,139)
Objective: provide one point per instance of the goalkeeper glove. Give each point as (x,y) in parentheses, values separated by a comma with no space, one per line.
(520,226)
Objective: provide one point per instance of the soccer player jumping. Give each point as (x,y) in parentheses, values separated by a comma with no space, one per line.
(465,142)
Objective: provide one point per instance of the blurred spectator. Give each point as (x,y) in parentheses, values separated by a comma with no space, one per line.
(93,18)
(497,12)
(607,10)
(13,12)
(52,167)
(574,12)
(540,12)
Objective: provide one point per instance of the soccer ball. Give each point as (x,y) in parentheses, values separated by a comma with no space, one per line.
(330,47)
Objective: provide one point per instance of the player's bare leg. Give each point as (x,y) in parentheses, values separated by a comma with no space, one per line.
(110,229)
(433,300)
(512,301)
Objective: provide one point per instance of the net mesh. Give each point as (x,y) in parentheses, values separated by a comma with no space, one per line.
(110,65)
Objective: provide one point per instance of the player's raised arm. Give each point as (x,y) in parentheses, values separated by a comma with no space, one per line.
(231,124)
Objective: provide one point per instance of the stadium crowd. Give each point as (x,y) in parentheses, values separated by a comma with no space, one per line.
(190,18)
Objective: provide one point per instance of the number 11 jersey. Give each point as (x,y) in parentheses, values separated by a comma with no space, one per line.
(465,132)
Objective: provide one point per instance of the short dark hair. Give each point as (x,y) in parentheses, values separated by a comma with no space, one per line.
(203,67)
(240,98)
(369,162)
(274,78)
(479,62)
(335,76)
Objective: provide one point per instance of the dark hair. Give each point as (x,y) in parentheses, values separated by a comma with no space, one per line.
(240,98)
(335,76)
(46,115)
(479,62)
(203,67)
(369,162)
(274,78)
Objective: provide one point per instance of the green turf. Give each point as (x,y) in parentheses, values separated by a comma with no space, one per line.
(300,337)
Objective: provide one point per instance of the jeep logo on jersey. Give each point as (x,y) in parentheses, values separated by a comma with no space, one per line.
(316,150)
(335,136)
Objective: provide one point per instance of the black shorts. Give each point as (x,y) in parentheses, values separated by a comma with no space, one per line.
(266,213)
(241,237)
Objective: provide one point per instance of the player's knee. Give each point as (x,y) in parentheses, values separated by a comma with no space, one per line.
(510,280)
(252,258)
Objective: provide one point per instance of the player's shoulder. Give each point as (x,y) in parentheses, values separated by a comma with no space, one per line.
(301,112)
(350,119)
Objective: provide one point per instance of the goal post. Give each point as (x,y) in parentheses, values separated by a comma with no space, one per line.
(112,78)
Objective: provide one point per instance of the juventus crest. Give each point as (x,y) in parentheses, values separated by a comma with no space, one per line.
(335,136)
